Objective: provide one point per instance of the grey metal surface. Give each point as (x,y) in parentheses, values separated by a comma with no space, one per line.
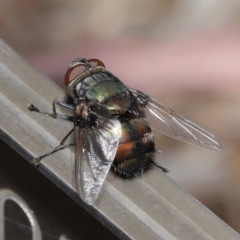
(151,207)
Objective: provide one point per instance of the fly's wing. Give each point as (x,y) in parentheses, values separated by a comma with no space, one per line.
(95,151)
(166,121)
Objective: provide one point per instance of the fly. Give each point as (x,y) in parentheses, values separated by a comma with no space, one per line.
(113,127)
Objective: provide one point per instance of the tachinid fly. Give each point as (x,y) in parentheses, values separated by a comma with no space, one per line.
(112,125)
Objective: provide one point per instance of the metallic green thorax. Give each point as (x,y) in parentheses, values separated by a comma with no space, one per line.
(106,89)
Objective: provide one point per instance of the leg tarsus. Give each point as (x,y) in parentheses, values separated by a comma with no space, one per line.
(62,105)
(165,170)
(32,108)
(36,161)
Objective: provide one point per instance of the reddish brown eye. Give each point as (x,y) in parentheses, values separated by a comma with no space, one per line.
(96,63)
(73,72)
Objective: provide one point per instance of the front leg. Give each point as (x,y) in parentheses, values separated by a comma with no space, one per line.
(64,106)
(67,107)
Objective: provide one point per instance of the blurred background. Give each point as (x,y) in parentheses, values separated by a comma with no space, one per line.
(184,53)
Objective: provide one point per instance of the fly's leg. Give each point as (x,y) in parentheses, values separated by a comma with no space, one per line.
(64,106)
(165,170)
(36,161)
(70,112)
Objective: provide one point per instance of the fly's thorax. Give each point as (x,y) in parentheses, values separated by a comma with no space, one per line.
(103,88)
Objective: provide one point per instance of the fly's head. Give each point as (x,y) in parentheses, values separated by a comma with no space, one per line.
(78,70)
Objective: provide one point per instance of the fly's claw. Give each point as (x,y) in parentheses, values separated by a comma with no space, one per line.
(165,170)
(32,108)
(36,162)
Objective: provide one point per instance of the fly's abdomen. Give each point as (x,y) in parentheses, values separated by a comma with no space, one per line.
(136,148)
(107,90)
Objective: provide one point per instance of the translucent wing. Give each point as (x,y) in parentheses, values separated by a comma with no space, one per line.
(95,151)
(166,121)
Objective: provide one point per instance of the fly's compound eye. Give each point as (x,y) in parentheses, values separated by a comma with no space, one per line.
(96,63)
(74,72)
